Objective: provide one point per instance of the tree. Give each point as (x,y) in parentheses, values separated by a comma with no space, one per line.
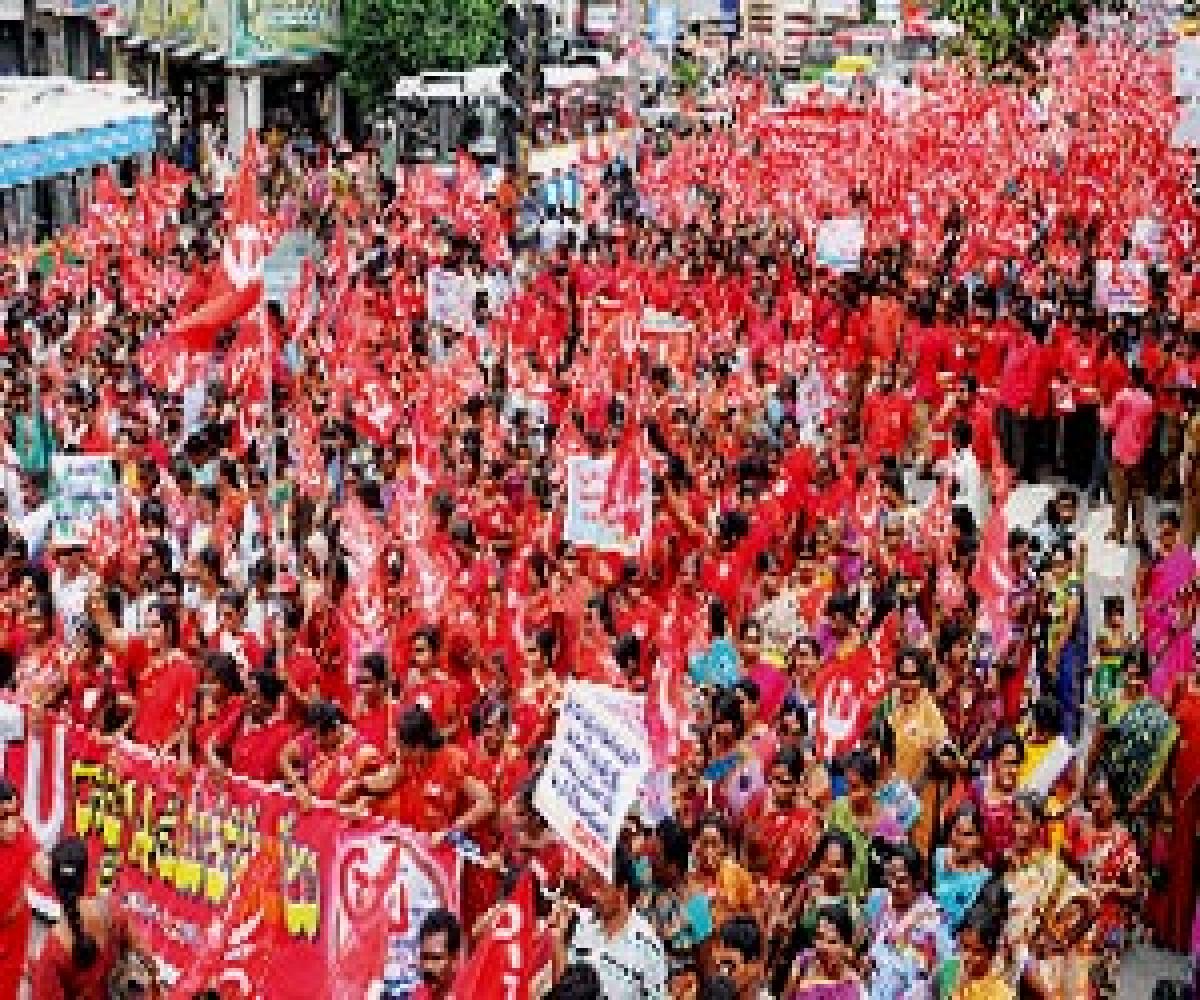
(386,39)
(1002,31)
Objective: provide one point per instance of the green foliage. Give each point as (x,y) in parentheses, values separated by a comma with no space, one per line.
(687,75)
(1002,31)
(386,39)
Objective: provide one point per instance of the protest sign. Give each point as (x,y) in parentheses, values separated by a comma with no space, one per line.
(840,244)
(597,764)
(82,487)
(450,300)
(1186,68)
(586,523)
(1147,241)
(1122,286)
(175,845)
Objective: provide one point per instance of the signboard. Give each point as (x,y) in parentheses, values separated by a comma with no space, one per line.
(730,16)
(1147,241)
(1122,286)
(81,488)
(586,523)
(273,29)
(281,268)
(450,300)
(597,763)
(333,875)
(25,162)
(1186,65)
(840,244)
(12,10)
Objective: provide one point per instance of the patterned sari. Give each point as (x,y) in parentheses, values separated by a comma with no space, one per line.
(1138,742)
(905,948)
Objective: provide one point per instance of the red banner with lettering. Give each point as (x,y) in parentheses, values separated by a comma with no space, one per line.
(175,846)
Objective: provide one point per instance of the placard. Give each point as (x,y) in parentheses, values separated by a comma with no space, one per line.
(450,300)
(597,765)
(586,523)
(1122,286)
(840,244)
(82,487)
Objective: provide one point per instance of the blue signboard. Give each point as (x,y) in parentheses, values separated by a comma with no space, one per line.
(664,24)
(730,16)
(22,163)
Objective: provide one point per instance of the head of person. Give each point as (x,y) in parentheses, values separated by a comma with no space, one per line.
(862,773)
(579,981)
(670,861)
(978,939)
(11,822)
(611,899)
(902,874)
(739,954)
(910,675)
(439,943)
(785,776)
(68,876)
(1101,802)
(416,733)
(266,688)
(1136,666)
(374,677)
(1047,718)
(490,722)
(711,844)
(831,861)
(1008,751)
(327,721)
(1029,814)
(833,937)
(964,833)
(1168,530)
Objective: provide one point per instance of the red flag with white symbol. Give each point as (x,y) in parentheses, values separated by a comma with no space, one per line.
(846,690)
(501,967)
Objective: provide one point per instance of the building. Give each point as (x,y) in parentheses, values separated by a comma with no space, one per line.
(55,132)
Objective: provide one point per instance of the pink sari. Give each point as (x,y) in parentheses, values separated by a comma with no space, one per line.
(1168,643)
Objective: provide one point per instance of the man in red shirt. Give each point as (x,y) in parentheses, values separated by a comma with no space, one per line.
(1014,400)
(887,420)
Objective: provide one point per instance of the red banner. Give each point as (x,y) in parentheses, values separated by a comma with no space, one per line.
(174,845)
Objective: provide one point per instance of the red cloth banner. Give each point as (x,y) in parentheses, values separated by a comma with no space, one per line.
(176,848)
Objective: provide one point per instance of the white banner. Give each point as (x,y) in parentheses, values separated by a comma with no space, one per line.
(1124,288)
(597,764)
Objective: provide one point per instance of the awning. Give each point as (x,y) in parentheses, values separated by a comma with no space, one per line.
(212,56)
(134,41)
(187,52)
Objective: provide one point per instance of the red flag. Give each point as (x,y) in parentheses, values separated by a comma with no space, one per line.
(238,283)
(992,579)
(246,366)
(623,488)
(846,691)
(501,968)
(302,302)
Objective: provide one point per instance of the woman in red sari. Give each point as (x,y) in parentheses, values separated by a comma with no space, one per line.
(80,953)
(1180,906)
(18,852)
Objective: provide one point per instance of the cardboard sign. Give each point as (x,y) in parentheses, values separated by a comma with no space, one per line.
(840,244)
(597,764)
(586,523)
(450,300)
(81,488)
(1123,287)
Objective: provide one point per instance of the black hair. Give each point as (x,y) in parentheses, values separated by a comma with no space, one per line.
(416,729)
(863,764)
(742,934)
(624,870)
(68,875)
(727,707)
(792,761)
(965,808)
(579,981)
(911,857)
(269,685)
(1047,714)
(441,921)
(487,710)
(325,716)
(375,666)
(225,672)
(827,840)
(718,988)
(838,916)
(675,847)
(170,621)
(8,791)
(1007,738)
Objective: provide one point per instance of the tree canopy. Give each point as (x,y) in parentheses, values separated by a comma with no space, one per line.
(1003,31)
(386,39)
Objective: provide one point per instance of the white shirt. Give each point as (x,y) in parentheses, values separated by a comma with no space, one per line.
(631,966)
(964,468)
(70,596)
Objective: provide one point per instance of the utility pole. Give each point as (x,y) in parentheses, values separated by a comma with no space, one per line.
(633,80)
(162,51)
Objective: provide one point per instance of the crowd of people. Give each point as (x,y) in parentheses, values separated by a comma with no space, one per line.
(347,573)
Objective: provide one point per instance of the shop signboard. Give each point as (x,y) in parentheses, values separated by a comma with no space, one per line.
(12,10)
(271,29)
